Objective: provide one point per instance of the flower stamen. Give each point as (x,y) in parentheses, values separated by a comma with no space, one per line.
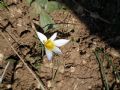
(49,44)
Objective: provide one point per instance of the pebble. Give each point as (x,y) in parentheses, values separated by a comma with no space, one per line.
(9,86)
(84,62)
(19,65)
(117,81)
(49,84)
(1,57)
(72,69)
(61,69)
(89,87)
(114,53)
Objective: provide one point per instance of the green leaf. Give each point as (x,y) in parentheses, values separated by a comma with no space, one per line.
(42,3)
(39,5)
(53,5)
(37,8)
(2,4)
(46,21)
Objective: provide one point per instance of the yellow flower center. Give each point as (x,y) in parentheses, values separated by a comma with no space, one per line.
(49,44)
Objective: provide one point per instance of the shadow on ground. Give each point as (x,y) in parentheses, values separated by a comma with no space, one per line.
(102,18)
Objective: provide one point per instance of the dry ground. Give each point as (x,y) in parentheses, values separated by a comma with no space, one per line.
(75,69)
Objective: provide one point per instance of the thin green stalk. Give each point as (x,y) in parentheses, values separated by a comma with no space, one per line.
(102,71)
(113,67)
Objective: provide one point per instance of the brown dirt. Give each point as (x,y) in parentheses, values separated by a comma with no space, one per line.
(76,68)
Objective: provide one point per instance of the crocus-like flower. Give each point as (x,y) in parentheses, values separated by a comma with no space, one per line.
(51,45)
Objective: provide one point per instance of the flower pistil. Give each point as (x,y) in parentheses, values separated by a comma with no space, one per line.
(49,44)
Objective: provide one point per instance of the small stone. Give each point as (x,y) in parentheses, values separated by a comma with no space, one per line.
(19,65)
(114,53)
(93,47)
(72,69)
(51,65)
(19,22)
(49,84)
(89,87)
(1,57)
(77,49)
(9,86)
(84,62)
(82,82)
(61,69)
(117,81)
(87,55)
(95,43)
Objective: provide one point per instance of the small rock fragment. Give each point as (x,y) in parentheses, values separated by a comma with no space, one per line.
(72,69)
(49,84)
(9,86)
(1,57)
(61,69)
(84,62)
(114,53)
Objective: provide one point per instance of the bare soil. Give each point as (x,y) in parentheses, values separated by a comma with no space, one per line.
(75,69)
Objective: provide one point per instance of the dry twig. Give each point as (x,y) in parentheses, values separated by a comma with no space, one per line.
(3,74)
(34,75)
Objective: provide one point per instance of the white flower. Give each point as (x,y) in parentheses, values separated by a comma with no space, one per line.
(51,45)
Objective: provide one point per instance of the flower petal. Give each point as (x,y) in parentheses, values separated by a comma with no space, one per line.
(53,36)
(57,50)
(49,54)
(61,42)
(42,37)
